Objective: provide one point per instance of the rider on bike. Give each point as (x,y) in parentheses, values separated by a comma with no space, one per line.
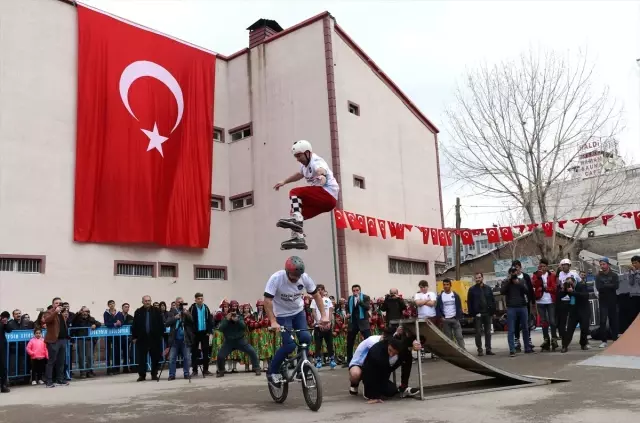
(284,306)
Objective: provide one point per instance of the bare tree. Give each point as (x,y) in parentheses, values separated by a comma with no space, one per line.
(518,126)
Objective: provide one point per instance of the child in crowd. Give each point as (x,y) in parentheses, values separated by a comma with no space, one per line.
(39,354)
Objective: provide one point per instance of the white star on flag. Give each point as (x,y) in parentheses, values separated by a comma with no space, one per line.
(155,139)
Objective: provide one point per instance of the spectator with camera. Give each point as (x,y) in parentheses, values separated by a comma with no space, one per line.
(57,338)
(393,306)
(573,309)
(180,338)
(203,326)
(233,329)
(515,294)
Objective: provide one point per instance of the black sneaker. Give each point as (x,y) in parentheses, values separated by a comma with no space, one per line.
(564,350)
(489,352)
(194,373)
(257,371)
(141,379)
(353,390)
(207,373)
(480,352)
(290,223)
(4,389)
(294,244)
(219,374)
(171,378)
(512,354)
(50,385)
(187,375)
(62,383)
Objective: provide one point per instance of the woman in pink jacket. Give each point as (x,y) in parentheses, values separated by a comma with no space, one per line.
(37,350)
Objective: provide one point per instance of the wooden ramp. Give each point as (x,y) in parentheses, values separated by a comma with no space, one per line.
(447,350)
(622,354)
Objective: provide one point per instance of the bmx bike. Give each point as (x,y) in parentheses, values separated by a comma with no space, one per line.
(300,369)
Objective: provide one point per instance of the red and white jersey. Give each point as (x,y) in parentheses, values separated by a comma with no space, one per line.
(309,172)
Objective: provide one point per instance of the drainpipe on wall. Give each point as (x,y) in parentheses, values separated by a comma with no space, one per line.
(335,257)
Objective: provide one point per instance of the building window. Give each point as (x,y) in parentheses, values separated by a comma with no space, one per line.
(632,173)
(22,264)
(358,181)
(135,268)
(354,109)
(168,270)
(408,267)
(472,247)
(209,273)
(241,132)
(241,201)
(217,202)
(218,134)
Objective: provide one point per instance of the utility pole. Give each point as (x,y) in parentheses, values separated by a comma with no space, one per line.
(457,243)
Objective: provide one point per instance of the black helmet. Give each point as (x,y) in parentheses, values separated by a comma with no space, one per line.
(294,265)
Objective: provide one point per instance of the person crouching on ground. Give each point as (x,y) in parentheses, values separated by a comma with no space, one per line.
(382,359)
(360,355)
(515,294)
(233,330)
(579,311)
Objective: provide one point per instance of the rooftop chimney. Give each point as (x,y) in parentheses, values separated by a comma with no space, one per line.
(261,30)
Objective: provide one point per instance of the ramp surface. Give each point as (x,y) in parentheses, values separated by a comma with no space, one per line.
(622,354)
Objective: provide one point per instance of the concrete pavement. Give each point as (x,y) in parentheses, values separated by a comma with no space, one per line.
(593,395)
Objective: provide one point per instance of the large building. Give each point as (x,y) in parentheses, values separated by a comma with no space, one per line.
(310,81)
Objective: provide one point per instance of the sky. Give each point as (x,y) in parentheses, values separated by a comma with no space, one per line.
(427,46)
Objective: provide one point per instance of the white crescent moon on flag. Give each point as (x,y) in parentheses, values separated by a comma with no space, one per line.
(145,68)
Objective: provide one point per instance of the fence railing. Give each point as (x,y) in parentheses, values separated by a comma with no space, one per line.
(87,350)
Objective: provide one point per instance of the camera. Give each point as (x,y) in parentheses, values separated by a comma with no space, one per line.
(181,306)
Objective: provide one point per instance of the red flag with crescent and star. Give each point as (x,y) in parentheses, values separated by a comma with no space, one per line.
(341,222)
(362,224)
(493,235)
(144,150)
(371,224)
(383,228)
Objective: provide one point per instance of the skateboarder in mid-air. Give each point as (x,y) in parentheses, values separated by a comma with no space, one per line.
(308,201)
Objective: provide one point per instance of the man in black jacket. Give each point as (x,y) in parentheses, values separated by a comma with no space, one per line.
(575,296)
(515,295)
(203,325)
(525,279)
(146,334)
(481,305)
(84,344)
(393,306)
(382,359)
(607,283)
(4,328)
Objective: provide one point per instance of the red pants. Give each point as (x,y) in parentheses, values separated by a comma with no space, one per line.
(315,200)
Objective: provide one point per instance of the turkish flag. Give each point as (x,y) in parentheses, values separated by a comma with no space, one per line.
(392,229)
(493,235)
(383,228)
(507,233)
(362,224)
(399,231)
(449,238)
(606,218)
(435,236)
(635,215)
(467,237)
(477,232)
(442,237)
(547,227)
(425,234)
(531,226)
(561,223)
(520,228)
(341,222)
(371,223)
(583,220)
(144,149)
(353,221)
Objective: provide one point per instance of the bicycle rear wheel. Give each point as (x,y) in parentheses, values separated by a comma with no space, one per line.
(313,386)
(279,393)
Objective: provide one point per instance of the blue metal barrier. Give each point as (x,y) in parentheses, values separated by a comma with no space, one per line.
(88,350)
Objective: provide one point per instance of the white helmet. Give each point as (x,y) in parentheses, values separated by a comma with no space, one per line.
(301,147)
(565,261)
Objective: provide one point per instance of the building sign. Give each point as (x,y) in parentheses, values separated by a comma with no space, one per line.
(501,267)
(591,159)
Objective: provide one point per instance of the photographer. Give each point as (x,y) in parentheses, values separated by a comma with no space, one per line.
(180,326)
(393,306)
(515,294)
(233,329)
(574,298)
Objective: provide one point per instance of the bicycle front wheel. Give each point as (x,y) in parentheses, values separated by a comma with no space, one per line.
(279,393)
(312,391)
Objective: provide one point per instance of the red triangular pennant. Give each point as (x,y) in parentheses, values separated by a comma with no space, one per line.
(520,228)
(408,227)
(531,226)
(477,232)
(606,218)
(583,220)
(561,223)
